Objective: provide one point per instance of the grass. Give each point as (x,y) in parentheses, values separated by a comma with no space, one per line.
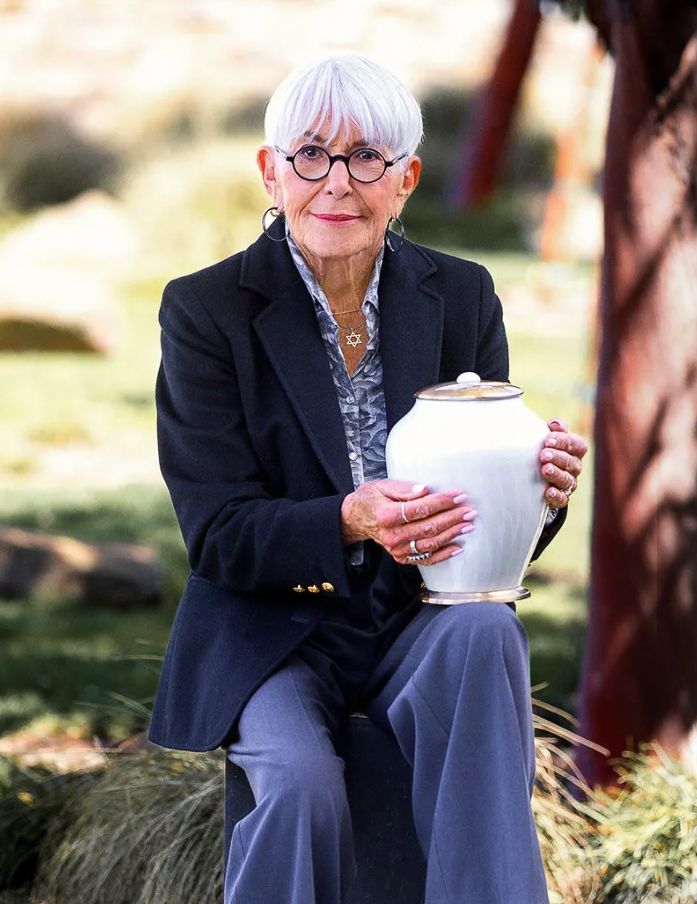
(66,665)
(646,838)
(79,458)
(68,668)
(100,408)
(146,826)
(148,831)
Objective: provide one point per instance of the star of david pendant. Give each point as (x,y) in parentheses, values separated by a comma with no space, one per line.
(354,339)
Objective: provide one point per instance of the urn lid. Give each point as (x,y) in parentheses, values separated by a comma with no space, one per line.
(469,387)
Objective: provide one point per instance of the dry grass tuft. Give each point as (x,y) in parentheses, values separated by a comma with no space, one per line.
(148,828)
(645,836)
(149,832)
(563,824)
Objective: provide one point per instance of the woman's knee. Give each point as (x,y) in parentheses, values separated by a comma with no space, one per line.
(484,623)
(311,782)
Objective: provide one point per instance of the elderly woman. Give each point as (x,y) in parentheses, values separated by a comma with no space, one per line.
(283,368)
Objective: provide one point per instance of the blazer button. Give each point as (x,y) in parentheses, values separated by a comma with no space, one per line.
(299,589)
(313,588)
(328,587)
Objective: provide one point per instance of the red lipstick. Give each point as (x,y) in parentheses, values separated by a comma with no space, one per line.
(335,217)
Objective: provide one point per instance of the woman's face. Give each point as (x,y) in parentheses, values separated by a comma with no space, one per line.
(337,217)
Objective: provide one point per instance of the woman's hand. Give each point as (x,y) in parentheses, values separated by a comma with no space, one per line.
(393,513)
(561,463)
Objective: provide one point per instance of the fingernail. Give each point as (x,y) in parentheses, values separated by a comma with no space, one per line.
(463,497)
(555,421)
(467,528)
(548,469)
(456,552)
(547,455)
(418,488)
(470,515)
(550,441)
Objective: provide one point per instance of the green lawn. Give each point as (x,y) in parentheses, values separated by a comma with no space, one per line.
(92,670)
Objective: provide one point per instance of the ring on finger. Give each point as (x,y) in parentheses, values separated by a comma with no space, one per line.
(419,557)
(572,486)
(412,547)
(404,514)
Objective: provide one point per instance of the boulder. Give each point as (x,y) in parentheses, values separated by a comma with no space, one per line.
(58,276)
(111,574)
(56,310)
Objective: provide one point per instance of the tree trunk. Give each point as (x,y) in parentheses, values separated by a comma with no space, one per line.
(640,673)
(494,113)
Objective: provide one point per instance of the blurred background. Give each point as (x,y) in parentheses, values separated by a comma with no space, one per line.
(127,157)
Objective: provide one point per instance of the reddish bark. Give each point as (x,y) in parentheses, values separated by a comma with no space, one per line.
(494,114)
(640,674)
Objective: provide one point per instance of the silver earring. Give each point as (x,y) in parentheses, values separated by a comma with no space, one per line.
(394,239)
(275,213)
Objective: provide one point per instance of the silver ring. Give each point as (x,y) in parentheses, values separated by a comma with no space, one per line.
(419,557)
(569,490)
(404,514)
(412,547)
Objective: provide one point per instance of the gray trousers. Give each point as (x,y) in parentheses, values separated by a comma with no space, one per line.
(454,689)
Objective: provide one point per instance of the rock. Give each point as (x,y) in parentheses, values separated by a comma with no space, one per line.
(57,277)
(57,310)
(113,574)
(90,233)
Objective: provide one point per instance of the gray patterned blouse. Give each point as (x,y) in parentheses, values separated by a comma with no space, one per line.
(361,397)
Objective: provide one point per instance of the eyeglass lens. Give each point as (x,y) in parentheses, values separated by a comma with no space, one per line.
(364,164)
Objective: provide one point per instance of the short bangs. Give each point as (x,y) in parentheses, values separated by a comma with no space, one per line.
(346,91)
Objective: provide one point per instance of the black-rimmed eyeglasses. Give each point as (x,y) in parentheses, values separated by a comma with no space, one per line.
(312,163)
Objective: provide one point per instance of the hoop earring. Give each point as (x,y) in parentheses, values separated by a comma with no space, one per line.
(394,239)
(266,226)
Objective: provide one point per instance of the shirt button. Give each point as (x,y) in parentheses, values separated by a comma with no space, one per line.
(353,456)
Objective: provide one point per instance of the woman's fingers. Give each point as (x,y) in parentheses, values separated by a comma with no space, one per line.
(562,480)
(556,498)
(434,542)
(394,515)
(561,463)
(427,506)
(434,536)
(432,528)
(431,532)
(446,552)
(567,442)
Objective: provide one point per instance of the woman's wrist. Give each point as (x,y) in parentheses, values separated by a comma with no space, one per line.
(349,532)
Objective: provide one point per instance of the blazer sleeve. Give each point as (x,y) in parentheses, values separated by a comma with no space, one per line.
(236,535)
(493,364)
(492,347)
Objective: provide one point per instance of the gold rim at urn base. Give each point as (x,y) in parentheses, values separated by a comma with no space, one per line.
(484,596)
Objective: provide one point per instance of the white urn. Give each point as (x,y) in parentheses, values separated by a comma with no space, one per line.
(480,438)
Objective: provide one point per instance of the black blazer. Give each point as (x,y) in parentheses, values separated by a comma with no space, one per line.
(253,452)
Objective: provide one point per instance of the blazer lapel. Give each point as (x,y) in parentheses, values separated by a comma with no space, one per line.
(289,332)
(411,329)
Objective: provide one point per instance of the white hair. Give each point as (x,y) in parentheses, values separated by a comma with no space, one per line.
(347,91)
